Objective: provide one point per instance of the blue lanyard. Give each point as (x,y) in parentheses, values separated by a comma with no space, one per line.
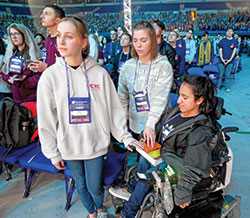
(85,74)
(177,116)
(14,55)
(171,118)
(149,69)
(120,58)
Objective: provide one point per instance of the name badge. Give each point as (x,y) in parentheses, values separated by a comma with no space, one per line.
(164,133)
(188,51)
(141,101)
(79,110)
(16,65)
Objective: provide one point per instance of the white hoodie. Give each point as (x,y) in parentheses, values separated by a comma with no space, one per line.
(61,140)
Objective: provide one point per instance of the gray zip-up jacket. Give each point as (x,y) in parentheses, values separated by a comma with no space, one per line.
(159,86)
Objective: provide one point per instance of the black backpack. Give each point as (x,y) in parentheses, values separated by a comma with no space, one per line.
(16,127)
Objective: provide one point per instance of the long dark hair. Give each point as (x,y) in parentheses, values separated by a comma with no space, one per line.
(202,87)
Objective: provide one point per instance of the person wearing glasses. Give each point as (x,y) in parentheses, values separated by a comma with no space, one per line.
(78,108)
(17,69)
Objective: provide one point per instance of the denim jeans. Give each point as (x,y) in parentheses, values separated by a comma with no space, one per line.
(138,191)
(88,179)
(227,69)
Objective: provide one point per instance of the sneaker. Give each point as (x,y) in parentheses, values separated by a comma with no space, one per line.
(119,193)
(102,214)
(228,91)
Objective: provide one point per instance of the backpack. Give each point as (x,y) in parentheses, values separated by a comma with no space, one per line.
(16,127)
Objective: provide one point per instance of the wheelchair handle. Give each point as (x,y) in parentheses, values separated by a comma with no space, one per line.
(230,129)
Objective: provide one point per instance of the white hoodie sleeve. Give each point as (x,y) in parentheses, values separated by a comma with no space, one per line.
(116,114)
(47,118)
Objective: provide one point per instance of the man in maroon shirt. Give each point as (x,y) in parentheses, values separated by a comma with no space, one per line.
(51,17)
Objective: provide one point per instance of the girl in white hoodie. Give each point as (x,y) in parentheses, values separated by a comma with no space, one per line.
(78,108)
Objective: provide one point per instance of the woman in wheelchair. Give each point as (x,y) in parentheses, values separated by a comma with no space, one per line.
(184,133)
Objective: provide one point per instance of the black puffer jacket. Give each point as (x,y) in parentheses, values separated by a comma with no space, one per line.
(169,51)
(186,149)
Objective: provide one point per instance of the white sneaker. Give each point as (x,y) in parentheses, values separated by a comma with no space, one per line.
(119,193)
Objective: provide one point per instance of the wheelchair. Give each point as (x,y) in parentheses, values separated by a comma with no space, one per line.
(208,200)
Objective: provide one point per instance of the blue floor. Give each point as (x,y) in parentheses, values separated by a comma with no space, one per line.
(47,196)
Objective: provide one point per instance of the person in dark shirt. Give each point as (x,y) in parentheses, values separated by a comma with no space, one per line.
(110,45)
(180,55)
(227,49)
(163,46)
(51,17)
(122,56)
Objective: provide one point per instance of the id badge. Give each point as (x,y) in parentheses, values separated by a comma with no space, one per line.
(141,101)
(79,110)
(164,133)
(188,51)
(16,65)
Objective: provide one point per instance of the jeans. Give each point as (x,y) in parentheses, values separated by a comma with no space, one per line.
(88,179)
(227,69)
(138,191)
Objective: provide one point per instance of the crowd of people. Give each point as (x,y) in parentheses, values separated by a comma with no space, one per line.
(87,87)
(237,19)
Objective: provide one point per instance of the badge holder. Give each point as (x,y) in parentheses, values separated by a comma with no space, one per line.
(141,101)
(79,110)
(16,65)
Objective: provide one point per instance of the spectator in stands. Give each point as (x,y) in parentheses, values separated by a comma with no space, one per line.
(40,39)
(118,48)
(227,50)
(17,70)
(190,48)
(180,42)
(80,137)
(51,17)
(205,50)
(110,45)
(216,44)
(122,56)
(142,78)
(180,55)
(163,47)
(120,31)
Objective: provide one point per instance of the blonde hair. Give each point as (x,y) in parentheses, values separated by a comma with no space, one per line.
(145,25)
(82,30)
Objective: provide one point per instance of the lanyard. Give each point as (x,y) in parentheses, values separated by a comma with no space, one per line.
(85,74)
(171,118)
(149,69)
(120,58)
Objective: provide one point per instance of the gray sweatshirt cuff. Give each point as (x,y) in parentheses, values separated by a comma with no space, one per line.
(151,123)
(56,159)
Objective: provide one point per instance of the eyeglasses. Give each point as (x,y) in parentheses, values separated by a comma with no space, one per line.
(15,35)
